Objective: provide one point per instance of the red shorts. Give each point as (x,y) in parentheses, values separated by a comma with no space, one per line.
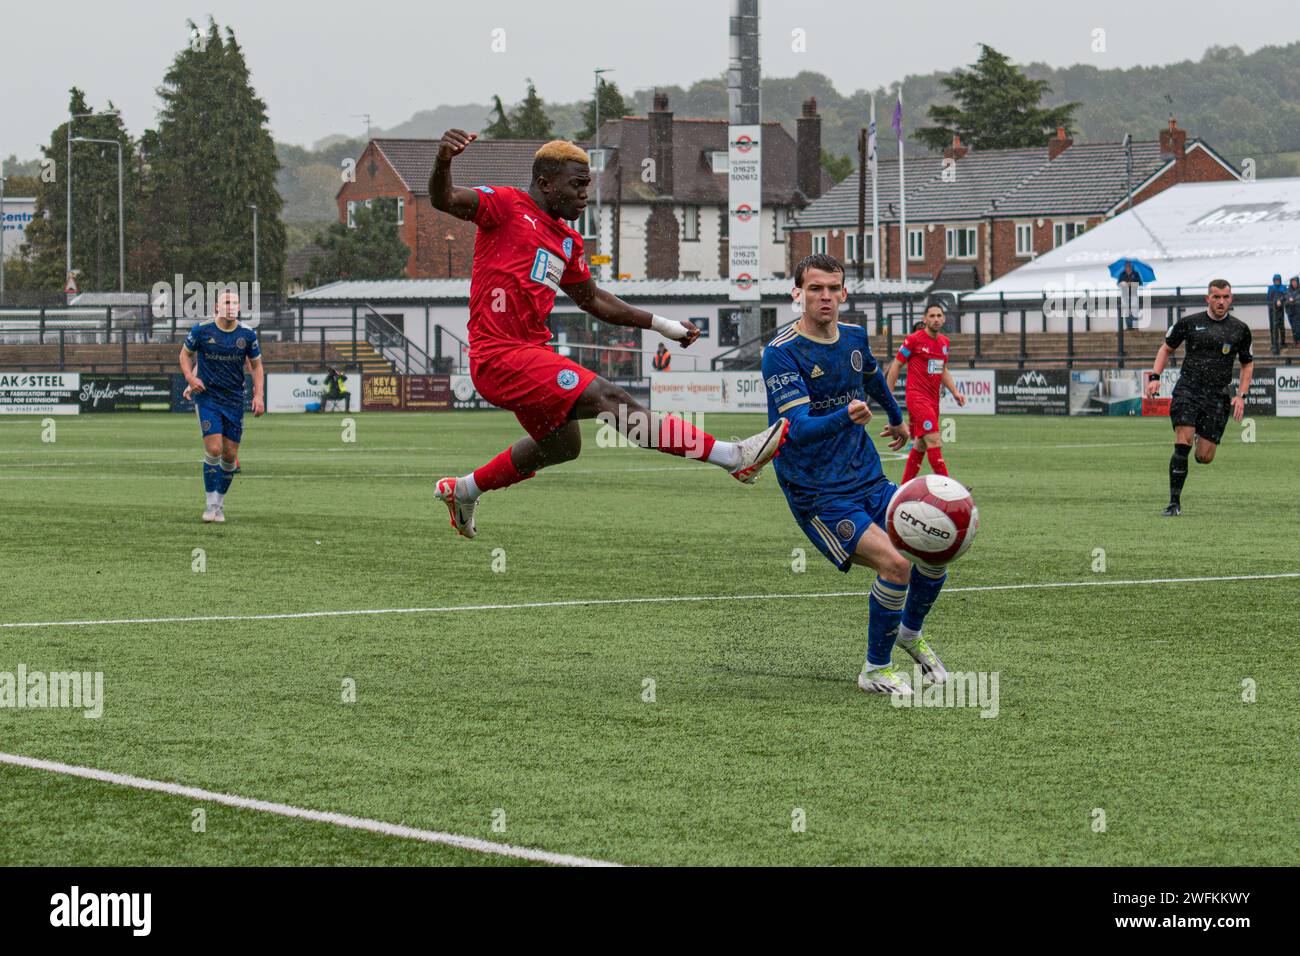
(922,420)
(532,381)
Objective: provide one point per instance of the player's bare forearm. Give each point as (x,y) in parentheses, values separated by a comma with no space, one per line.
(1162,359)
(259,377)
(461,203)
(948,383)
(1247,372)
(607,307)
(187,366)
(891,377)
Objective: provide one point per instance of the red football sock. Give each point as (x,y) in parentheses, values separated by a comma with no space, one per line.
(913,464)
(500,472)
(935,455)
(681,438)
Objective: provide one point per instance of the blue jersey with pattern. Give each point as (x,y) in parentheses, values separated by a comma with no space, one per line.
(221,360)
(824,376)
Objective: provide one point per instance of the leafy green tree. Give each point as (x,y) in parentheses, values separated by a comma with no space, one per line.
(499,128)
(837,166)
(999,108)
(212,157)
(372,249)
(529,119)
(611,107)
(94,205)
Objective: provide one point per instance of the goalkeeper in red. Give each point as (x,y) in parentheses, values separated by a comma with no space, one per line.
(524,253)
(925,353)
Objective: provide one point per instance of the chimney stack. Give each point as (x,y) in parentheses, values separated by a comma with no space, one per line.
(956,150)
(1055,147)
(808,150)
(1173,142)
(661,144)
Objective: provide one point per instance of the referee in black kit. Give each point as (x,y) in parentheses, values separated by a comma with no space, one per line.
(1203,397)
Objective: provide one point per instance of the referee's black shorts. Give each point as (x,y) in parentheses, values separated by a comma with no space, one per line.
(1207,409)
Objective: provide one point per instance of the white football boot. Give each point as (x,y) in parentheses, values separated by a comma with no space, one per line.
(932,669)
(757,450)
(462,512)
(209,514)
(884,680)
(220,517)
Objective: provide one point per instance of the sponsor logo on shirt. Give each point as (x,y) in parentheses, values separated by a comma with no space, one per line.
(782,379)
(547,269)
(530,219)
(934,367)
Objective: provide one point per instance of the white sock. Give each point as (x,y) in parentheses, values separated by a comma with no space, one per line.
(905,633)
(213,498)
(219,499)
(725,453)
(467,488)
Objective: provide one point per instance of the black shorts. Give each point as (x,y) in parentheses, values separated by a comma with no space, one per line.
(1205,408)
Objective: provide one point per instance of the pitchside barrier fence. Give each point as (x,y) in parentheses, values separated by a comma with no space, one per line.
(1032,391)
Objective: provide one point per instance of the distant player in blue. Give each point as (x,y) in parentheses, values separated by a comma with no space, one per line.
(819,373)
(222,345)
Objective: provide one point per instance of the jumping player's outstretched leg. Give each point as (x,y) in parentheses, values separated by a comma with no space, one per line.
(604,400)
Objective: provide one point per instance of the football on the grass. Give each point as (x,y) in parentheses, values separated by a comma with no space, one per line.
(932,519)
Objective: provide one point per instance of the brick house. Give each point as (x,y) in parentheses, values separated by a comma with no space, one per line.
(975,215)
(663,211)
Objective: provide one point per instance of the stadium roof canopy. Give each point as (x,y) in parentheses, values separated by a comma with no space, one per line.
(1189,234)
(457,290)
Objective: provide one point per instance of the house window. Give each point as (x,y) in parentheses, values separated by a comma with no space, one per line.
(352,214)
(691,274)
(691,223)
(720,161)
(1063,232)
(916,244)
(851,247)
(724,224)
(1024,238)
(961,242)
(585,225)
(780,218)
(401,210)
(819,245)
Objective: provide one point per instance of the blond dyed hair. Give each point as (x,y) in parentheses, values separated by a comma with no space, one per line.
(562,151)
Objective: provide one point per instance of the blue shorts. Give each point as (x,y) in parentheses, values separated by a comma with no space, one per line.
(221,420)
(835,525)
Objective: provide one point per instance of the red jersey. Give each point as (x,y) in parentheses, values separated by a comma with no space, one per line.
(927,358)
(521,258)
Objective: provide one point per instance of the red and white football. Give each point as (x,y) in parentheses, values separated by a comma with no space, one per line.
(932,519)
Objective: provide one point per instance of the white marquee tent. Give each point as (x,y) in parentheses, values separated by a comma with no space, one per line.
(1189,234)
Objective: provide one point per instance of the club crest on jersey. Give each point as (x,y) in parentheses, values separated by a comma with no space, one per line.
(566,379)
(206,424)
(1226,348)
(927,425)
(567,246)
(240,344)
(816,372)
(485,189)
(945,350)
(845,529)
(856,360)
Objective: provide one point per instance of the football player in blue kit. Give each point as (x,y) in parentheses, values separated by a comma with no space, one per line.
(222,345)
(818,373)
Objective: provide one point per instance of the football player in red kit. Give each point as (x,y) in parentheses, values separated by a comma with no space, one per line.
(524,253)
(925,353)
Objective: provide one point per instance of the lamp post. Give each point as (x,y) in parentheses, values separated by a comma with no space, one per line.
(450,239)
(600,174)
(67,174)
(121,222)
(254,208)
(1128,166)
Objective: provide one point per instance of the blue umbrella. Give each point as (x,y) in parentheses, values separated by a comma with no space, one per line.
(1144,271)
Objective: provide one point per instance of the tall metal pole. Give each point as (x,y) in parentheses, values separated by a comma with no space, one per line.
(1128,166)
(2,232)
(67,175)
(601,173)
(121,227)
(254,208)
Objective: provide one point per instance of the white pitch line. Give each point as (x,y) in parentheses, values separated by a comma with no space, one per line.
(473,844)
(596,602)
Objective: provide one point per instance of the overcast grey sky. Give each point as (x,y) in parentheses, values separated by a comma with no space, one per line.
(318,64)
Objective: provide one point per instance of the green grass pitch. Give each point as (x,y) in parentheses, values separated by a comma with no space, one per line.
(1122,698)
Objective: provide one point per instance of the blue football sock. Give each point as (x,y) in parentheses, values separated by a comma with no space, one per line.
(885,607)
(226,477)
(926,584)
(211,472)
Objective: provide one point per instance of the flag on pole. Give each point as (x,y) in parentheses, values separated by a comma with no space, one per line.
(871,139)
(897,121)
